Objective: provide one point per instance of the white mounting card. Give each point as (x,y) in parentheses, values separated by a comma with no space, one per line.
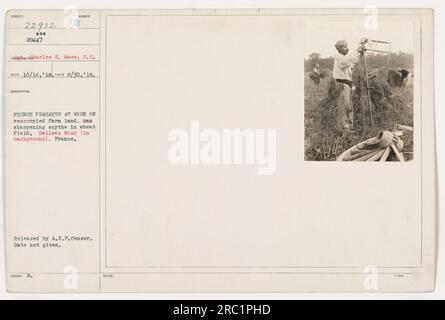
(195,150)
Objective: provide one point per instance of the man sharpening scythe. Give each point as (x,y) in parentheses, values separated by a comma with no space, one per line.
(342,73)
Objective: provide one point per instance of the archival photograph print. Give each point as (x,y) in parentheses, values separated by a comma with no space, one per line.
(359,91)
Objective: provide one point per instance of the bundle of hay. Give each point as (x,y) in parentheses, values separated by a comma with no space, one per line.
(387,107)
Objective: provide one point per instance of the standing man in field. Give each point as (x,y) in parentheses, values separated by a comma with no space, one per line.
(342,73)
(404,75)
(316,74)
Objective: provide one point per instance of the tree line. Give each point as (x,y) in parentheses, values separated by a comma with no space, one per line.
(375,60)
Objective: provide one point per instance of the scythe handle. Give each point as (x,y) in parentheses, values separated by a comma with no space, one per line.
(379,41)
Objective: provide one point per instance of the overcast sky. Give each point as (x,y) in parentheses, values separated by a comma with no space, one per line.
(321,36)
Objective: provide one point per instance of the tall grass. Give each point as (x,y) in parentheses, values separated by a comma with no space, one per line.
(325,142)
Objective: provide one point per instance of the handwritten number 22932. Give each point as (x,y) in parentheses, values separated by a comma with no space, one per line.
(39,25)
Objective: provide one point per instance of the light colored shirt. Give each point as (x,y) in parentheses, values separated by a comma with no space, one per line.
(342,67)
(316,70)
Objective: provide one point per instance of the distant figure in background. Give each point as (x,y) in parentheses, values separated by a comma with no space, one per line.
(404,75)
(397,77)
(316,75)
(409,79)
(316,71)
